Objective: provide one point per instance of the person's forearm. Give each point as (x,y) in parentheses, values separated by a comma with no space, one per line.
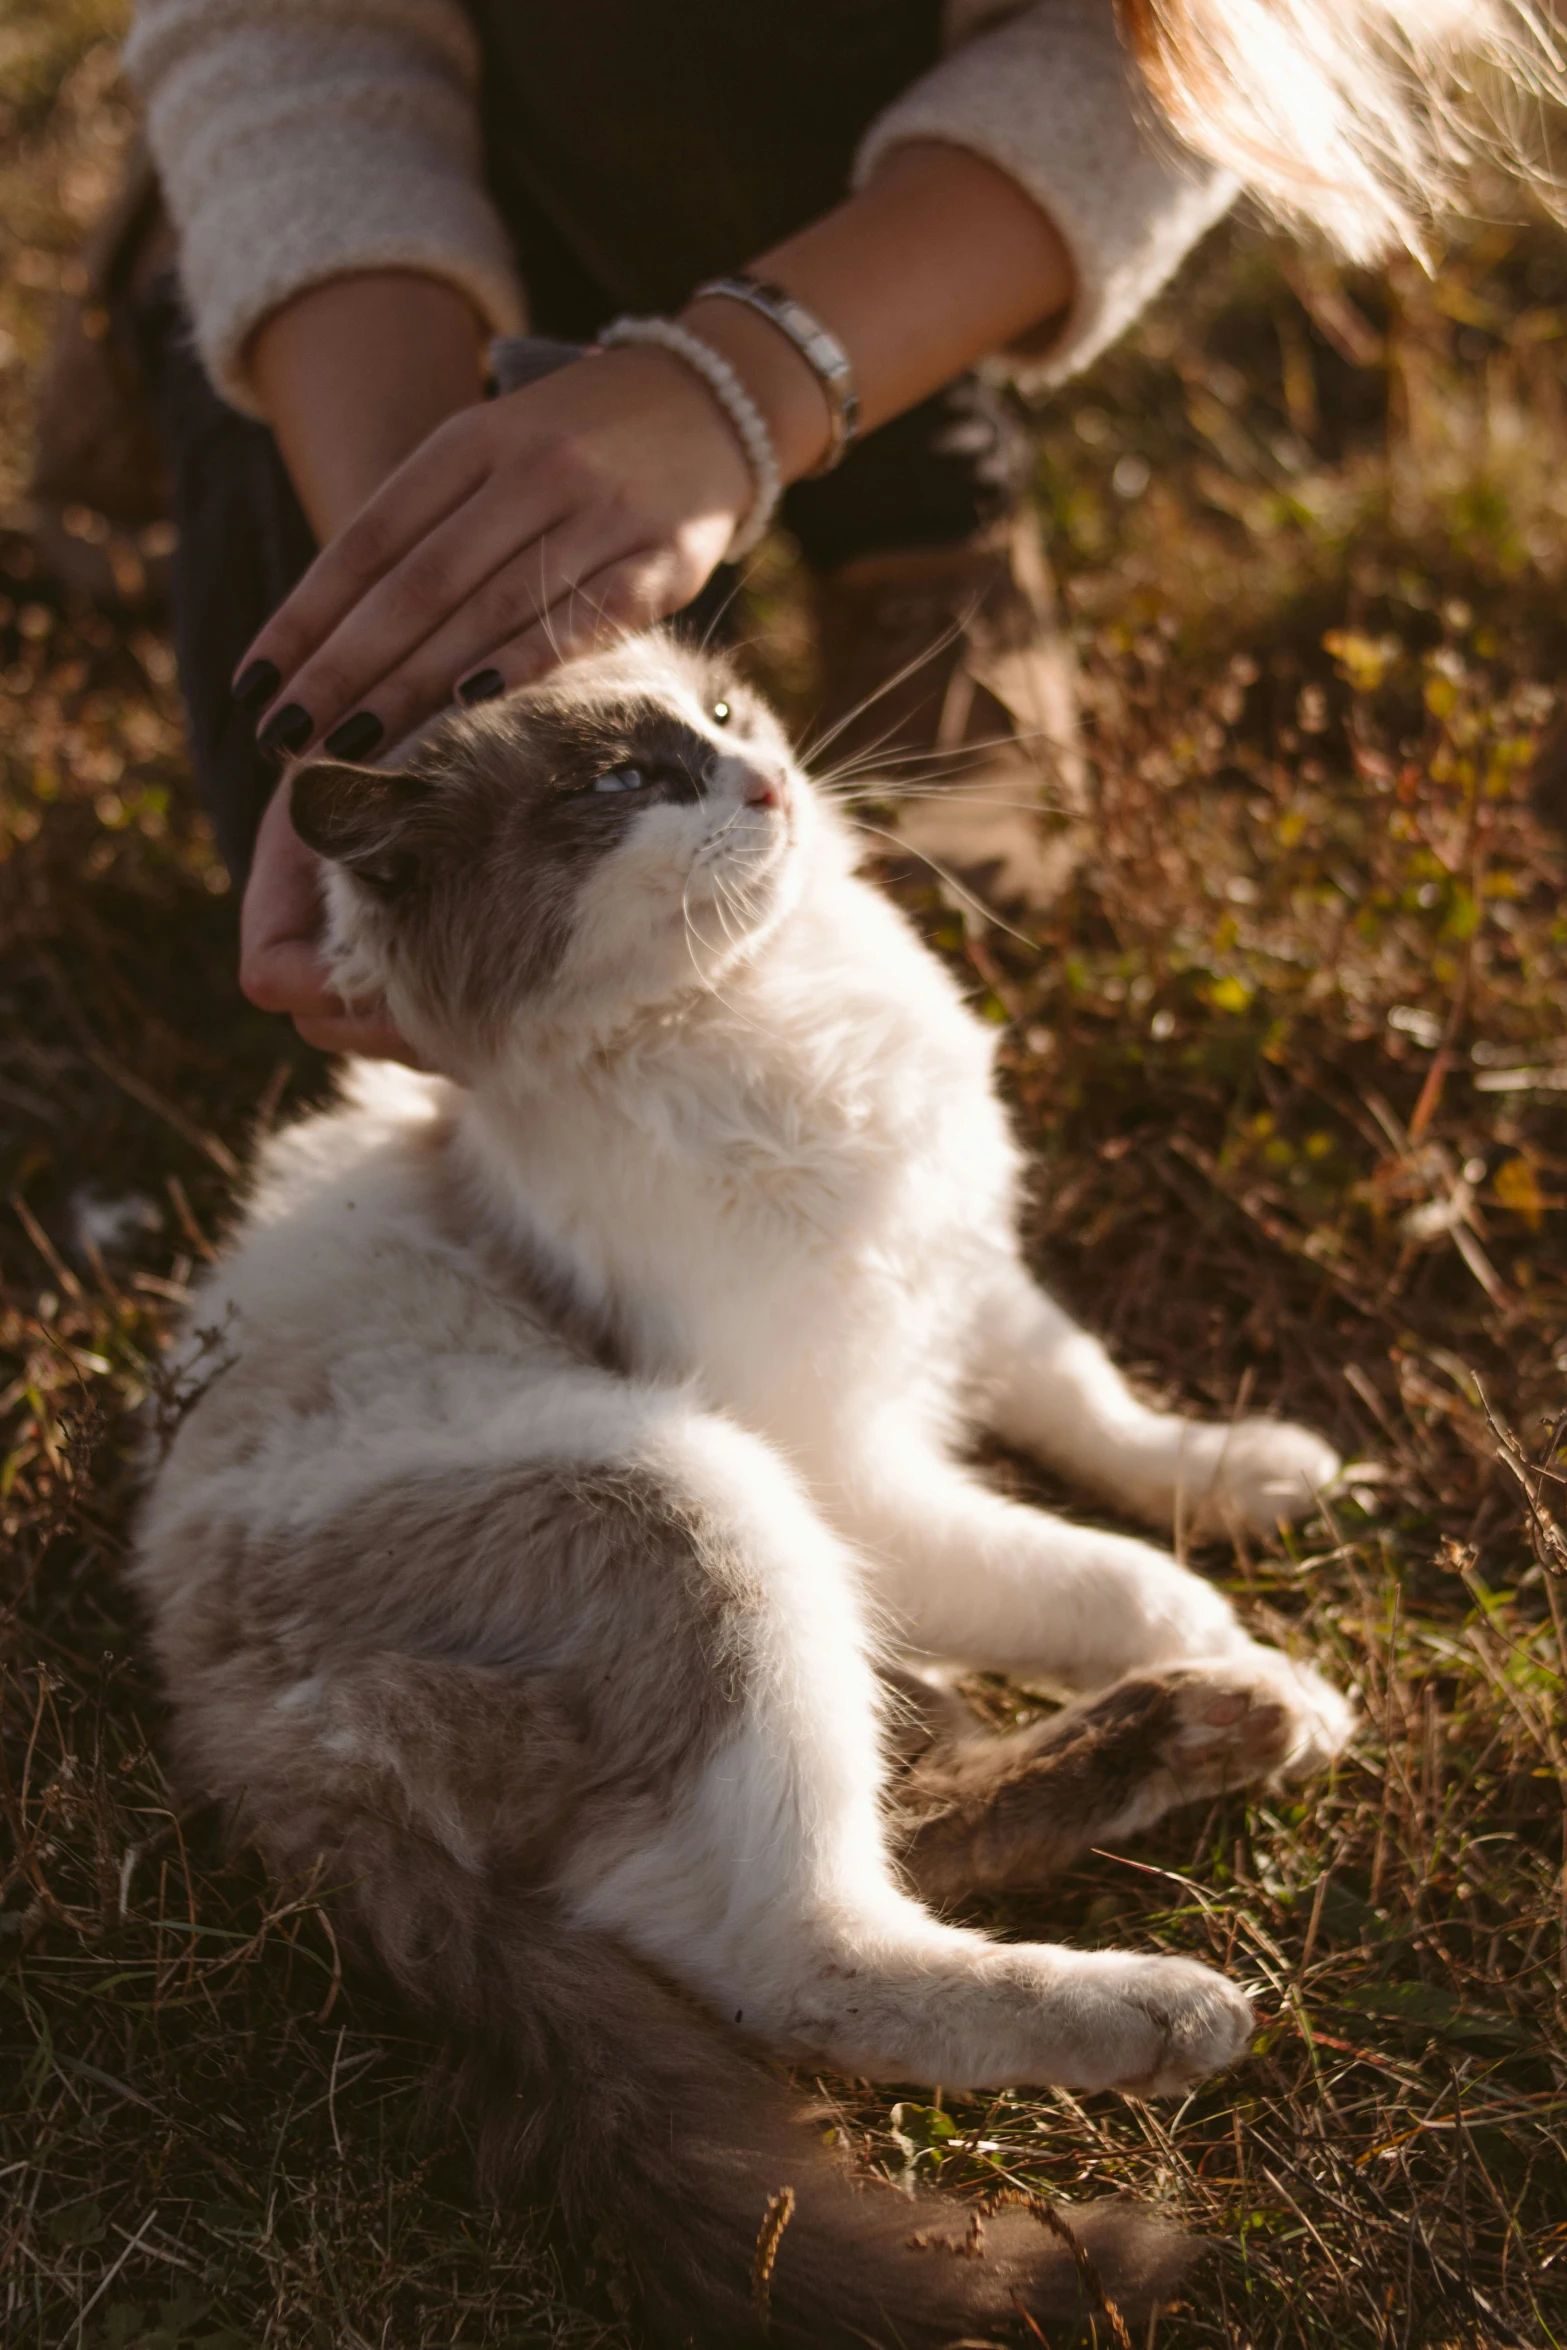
(354,373)
(940,261)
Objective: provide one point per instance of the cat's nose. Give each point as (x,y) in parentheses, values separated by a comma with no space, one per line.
(766,788)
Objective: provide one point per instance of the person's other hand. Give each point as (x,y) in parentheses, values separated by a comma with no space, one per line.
(522,531)
(281,967)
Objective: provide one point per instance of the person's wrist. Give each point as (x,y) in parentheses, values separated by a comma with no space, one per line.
(353,374)
(779,380)
(650,363)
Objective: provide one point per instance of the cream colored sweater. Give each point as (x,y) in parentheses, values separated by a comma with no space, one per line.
(301,139)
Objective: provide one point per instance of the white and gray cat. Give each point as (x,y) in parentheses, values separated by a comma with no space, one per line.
(587,1453)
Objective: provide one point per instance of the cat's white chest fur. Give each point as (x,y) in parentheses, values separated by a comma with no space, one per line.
(783,1198)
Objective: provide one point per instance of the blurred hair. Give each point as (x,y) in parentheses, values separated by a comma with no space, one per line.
(1364,118)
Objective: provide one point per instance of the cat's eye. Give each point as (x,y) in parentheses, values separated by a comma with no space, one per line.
(620,779)
(720,713)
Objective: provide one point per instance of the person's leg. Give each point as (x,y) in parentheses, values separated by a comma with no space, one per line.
(243,542)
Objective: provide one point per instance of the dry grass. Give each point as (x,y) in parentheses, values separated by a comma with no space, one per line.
(1293,1062)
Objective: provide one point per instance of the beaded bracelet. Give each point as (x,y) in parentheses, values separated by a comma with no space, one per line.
(749,423)
(821,350)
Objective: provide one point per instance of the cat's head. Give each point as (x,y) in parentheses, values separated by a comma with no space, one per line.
(630,829)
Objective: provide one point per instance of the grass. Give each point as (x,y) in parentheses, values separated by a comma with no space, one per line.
(1291,1059)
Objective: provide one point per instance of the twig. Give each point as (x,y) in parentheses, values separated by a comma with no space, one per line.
(779,2212)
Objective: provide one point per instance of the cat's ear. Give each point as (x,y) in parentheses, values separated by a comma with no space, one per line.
(364,818)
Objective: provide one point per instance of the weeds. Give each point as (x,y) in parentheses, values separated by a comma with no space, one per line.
(1292,1061)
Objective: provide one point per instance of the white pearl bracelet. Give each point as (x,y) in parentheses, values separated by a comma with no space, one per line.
(749,423)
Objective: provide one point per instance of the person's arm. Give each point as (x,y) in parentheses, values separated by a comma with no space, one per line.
(527,528)
(353,375)
(1050,96)
(306,143)
(605,495)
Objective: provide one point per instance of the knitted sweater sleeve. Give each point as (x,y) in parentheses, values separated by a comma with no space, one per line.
(1051,99)
(301,139)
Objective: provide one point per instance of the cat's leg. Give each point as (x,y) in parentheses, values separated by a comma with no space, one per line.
(966,1573)
(636,1688)
(766,1883)
(1046,1386)
(987,1814)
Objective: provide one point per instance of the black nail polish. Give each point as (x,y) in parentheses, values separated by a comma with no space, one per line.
(255,686)
(356,738)
(482,686)
(289,730)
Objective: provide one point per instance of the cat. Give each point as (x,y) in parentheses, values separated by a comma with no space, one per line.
(577,1459)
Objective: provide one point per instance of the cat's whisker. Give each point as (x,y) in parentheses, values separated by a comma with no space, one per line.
(954,755)
(951,797)
(693,937)
(611,632)
(706,860)
(860,759)
(723,910)
(545,611)
(911,668)
(948,879)
(721,612)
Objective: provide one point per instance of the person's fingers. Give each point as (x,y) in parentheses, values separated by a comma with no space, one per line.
(373,1039)
(382,589)
(454,573)
(611,603)
(280,916)
(576,473)
(545,579)
(287,975)
(442,473)
(282,968)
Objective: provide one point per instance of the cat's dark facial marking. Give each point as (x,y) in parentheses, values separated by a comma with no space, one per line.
(588,832)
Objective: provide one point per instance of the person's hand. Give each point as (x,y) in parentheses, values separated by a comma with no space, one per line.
(281,967)
(519,533)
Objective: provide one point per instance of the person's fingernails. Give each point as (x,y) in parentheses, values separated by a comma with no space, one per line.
(255,686)
(482,686)
(289,730)
(356,738)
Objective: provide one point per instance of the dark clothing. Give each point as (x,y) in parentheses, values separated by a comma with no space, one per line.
(243,542)
(633,147)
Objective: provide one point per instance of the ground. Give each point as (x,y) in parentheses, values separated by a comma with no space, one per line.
(1291,1061)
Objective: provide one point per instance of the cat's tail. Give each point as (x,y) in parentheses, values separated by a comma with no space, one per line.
(588,2079)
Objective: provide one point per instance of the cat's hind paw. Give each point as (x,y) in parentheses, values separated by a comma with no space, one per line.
(1254,1715)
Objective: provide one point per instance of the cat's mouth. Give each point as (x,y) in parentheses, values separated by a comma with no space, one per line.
(741,866)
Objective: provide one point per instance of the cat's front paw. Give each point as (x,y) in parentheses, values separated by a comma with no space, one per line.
(1256,1472)
(1154,2026)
